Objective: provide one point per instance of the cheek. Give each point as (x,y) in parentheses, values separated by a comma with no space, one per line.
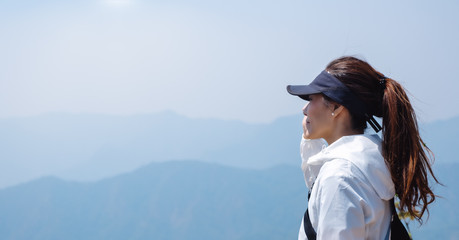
(319,116)
(314,111)
(323,116)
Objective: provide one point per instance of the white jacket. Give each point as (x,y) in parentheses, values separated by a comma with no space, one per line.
(352,186)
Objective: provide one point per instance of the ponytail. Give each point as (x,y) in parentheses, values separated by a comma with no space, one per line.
(405,153)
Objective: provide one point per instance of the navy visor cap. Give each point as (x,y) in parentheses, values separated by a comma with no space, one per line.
(331,87)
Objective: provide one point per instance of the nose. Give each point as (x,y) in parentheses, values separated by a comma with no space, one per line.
(305,109)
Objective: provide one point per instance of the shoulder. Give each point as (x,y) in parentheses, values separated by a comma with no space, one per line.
(339,170)
(340,177)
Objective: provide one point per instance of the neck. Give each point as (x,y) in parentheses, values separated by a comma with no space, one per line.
(338,133)
(341,126)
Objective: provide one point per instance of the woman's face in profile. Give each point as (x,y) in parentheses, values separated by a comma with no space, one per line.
(317,118)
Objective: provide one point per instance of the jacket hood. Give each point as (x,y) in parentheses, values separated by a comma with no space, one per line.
(364,151)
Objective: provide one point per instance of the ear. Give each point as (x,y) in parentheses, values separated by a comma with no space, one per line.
(338,109)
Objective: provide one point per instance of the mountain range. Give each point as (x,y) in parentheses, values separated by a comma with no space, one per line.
(165,176)
(185,200)
(169,200)
(92,147)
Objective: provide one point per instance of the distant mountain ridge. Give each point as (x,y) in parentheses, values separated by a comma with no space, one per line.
(170,200)
(91,147)
(185,200)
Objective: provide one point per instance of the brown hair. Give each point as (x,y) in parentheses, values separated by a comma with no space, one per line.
(406,155)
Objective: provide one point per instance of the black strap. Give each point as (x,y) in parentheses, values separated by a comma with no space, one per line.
(397,230)
(308,229)
(373,123)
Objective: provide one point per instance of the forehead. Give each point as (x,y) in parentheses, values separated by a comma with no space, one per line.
(314,96)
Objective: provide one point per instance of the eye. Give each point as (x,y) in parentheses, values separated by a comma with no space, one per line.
(312,97)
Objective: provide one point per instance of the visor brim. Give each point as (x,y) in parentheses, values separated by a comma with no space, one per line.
(302,91)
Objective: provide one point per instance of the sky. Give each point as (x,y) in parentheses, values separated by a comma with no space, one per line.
(216,59)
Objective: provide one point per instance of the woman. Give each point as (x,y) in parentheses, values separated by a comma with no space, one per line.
(353,177)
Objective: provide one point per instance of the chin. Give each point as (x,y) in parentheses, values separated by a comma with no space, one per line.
(307,135)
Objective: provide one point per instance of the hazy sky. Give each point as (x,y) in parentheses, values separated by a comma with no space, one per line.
(219,59)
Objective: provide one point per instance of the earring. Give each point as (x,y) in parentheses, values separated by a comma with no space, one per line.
(333,114)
